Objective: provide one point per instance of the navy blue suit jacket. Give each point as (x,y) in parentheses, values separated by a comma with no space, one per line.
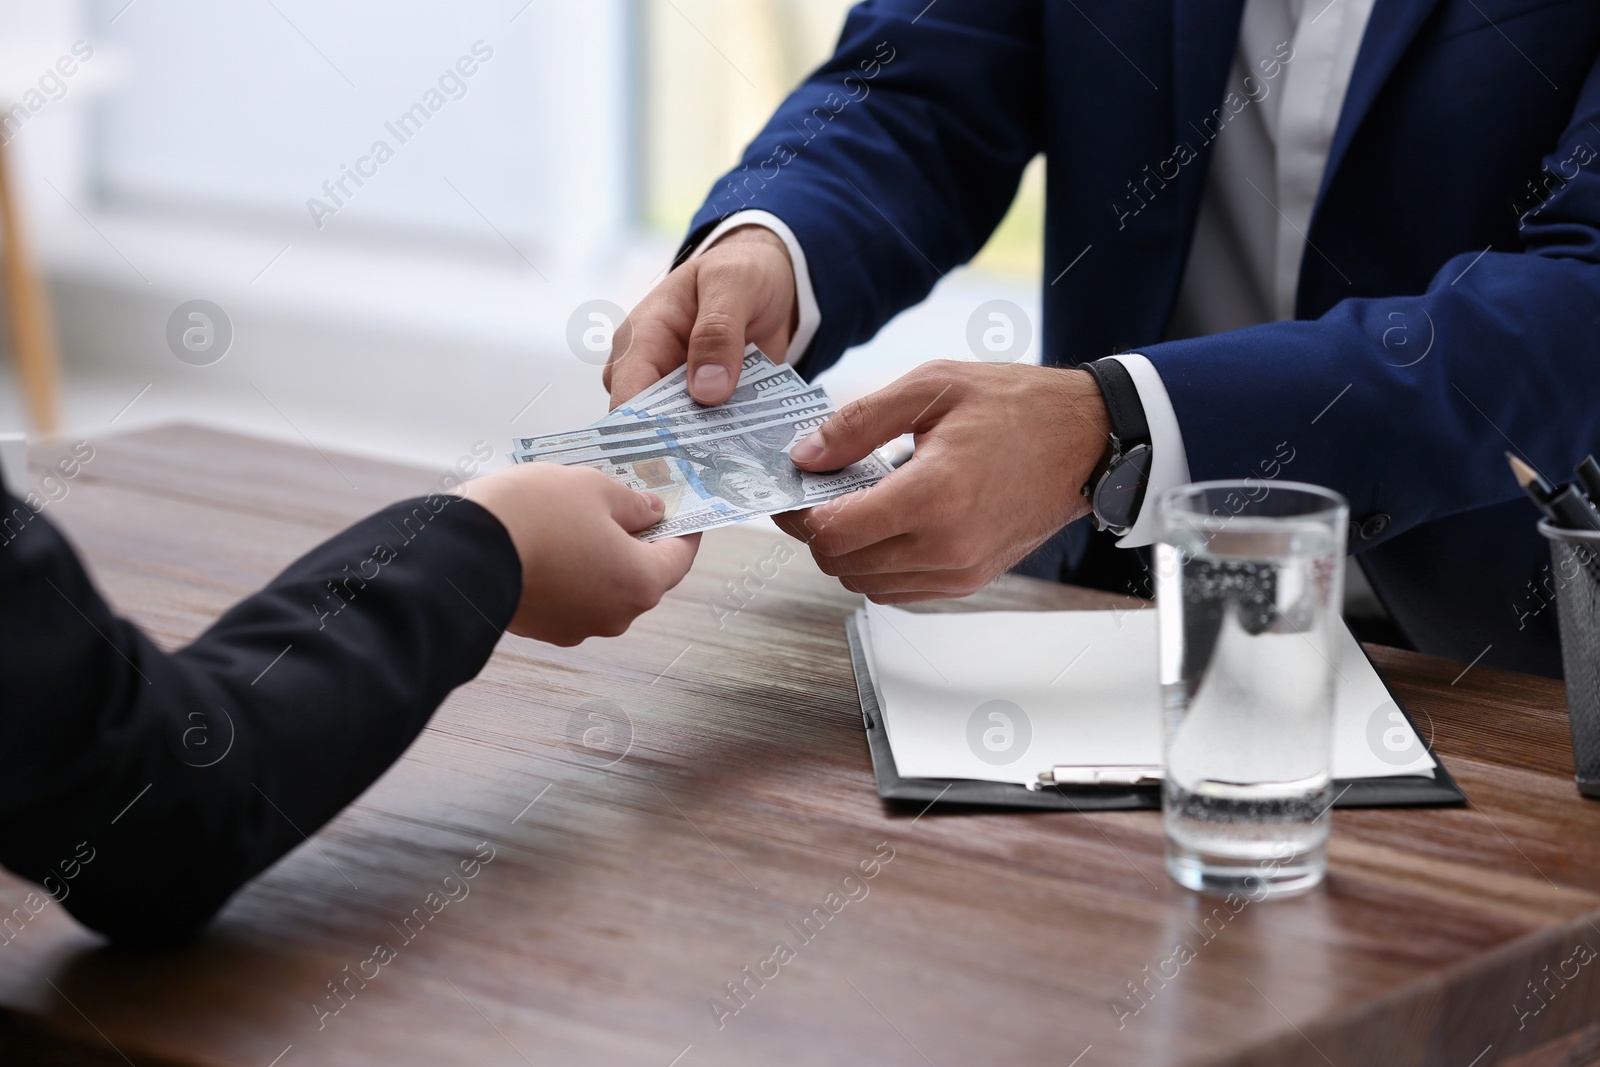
(1449,299)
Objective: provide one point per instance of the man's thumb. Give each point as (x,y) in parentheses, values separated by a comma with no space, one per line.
(716,343)
(860,427)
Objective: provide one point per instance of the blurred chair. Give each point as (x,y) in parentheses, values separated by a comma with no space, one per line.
(33,338)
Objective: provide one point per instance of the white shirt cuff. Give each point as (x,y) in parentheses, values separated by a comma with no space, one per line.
(805,296)
(1169,464)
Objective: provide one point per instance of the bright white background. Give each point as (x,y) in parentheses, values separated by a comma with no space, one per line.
(431,310)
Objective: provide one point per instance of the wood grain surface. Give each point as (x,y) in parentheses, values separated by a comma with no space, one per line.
(666,808)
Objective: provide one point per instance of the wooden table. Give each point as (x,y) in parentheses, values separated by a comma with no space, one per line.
(724,793)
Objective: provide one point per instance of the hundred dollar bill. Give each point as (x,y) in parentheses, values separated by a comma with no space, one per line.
(819,489)
(625,450)
(760,384)
(711,465)
(726,416)
(675,384)
(738,407)
(706,422)
(630,450)
(736,476)
(758,377)
(698,415)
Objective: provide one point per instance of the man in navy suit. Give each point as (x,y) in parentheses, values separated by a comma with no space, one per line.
(1349,242)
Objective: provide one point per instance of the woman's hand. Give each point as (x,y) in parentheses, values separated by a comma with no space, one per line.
(584,574)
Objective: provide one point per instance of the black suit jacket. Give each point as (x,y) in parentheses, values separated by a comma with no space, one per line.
(142,788)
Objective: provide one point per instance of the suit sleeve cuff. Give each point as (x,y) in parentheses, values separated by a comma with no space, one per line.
(1169,464)
(805,295)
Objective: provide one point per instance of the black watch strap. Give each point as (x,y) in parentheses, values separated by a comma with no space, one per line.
(1123,405)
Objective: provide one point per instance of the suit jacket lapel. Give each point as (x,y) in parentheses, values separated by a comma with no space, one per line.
(1390,30)
(1205,35)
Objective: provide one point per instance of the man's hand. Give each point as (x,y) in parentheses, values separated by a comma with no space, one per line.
(739,291)
(583,572)
(1002,455)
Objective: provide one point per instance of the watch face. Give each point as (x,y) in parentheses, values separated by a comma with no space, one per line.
(1121,489)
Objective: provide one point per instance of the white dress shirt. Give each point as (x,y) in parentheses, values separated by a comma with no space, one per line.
(1250,237)
(1244,264)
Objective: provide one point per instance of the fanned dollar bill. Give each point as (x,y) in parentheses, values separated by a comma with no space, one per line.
(689,426)
(673,390)
(713,466)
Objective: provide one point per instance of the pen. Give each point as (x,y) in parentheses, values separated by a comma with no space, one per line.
(1564,506)
(1589,478)
(1109,775)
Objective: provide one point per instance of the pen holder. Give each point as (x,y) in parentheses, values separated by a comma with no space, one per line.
(1575,556)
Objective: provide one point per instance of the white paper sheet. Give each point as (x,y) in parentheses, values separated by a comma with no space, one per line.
(1001,695)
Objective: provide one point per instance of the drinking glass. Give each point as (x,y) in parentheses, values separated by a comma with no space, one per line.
(1249,583)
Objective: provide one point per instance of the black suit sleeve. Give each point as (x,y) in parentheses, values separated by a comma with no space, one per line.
(141,788)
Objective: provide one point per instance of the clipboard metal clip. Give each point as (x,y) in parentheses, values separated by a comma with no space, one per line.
(1104,775)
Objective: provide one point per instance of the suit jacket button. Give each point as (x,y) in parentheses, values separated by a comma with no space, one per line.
(1373,526)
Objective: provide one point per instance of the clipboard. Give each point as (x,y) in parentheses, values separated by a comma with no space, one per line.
(1400,791)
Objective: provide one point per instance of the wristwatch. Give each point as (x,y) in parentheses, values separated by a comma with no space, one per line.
(1116,489)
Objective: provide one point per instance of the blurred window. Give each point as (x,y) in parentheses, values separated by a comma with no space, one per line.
(714,70)
(383,116)
(488,122)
